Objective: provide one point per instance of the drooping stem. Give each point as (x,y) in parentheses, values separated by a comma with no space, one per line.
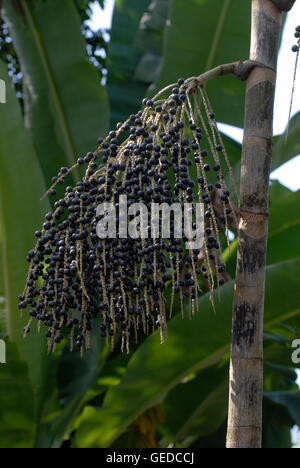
(246,372)
(240,69)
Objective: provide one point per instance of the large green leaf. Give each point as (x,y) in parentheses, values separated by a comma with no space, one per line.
(277,425)
(51,435)
(192,346)
(284,235)
(200,37)
(2,293)
(196,408)
(278,192)
(21,212)
(17,422)
(76,374)
(289,399)
(284,227)
(149,39)
(283,149)
(66,109)
(124,91)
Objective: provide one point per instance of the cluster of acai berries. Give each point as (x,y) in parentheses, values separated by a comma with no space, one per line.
(169,152)
(296,47)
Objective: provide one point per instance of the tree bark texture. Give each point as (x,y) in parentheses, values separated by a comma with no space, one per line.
(246,370)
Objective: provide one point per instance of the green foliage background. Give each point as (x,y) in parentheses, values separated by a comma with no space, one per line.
(158,395)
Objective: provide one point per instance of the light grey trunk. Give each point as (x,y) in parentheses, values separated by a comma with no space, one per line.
(246,370)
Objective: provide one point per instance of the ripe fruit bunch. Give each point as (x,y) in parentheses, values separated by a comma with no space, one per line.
(169,152)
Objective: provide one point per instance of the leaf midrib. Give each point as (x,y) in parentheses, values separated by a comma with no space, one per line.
(217,35)
(67,137)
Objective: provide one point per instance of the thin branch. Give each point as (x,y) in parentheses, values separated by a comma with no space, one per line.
(293,92)
(240,69)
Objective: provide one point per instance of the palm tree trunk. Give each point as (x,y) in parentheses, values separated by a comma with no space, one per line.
(246,370)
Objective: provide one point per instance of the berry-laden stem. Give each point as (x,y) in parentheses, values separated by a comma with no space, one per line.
(246,372)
